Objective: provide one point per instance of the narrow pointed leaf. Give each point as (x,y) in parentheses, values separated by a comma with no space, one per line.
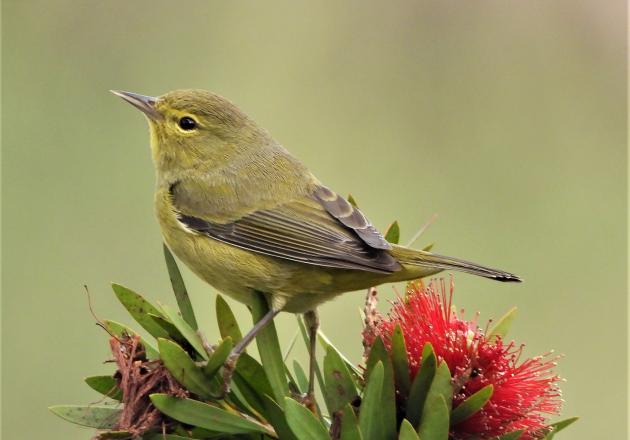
(501,328)
(435,420)
(304,424)
(227,322)
(218,357)
(428,247)
(289,349)
(325,343)
(119,330)
(387,413)
(393,233)
(254,374)
(420,386)
(277,418)
(140,309)
(248,398)
(169,329)
(191,336)
(179,289)
(559,426)
(471,405)
(300,376)
(183,368)
(407,432)
(105,385)
(340,387)
(352,201)
(349,425)
(400,362)
(270,352)
(99,417)
(369,417)
(195,413)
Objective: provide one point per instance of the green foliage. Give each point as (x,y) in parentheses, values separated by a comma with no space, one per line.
(471,405)
(392,234)
(501,328)
(106,385)
(203,415)
(179,289)
(92,416)
(379,402)
(304,424)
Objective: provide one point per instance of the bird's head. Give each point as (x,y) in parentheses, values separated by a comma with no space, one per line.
(194,129)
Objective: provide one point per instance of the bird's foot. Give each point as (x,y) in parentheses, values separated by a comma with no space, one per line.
(228,371)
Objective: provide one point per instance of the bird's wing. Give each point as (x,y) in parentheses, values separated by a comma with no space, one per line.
(322,229)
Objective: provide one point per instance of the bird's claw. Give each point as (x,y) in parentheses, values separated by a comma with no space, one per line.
(228,371)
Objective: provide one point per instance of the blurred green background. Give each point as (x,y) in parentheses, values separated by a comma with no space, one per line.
(507,119)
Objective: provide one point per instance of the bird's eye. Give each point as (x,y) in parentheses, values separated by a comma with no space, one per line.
(187,123)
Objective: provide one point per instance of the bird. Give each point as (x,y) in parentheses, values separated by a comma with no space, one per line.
(249,218)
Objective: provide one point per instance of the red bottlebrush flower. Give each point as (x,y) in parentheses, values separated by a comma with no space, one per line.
(525,391)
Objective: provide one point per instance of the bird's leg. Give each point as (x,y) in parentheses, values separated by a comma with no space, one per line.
(311,319)
(230,363)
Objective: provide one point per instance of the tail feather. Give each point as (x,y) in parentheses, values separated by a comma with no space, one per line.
(425,259)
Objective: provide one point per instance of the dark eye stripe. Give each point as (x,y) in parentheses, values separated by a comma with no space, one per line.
(187,123)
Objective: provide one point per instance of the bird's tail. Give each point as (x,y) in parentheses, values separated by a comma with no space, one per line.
(433,263)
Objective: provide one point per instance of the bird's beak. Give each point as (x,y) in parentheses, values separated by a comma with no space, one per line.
(144,103)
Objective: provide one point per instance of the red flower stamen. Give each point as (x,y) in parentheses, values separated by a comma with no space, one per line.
(525,392)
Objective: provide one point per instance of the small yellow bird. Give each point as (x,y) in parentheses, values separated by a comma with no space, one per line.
(246,216)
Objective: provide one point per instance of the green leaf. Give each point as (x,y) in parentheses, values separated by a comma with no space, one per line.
(227,322)
(387,412)
(352,201)
(254,374)
(340,388)
(193,412)
(325,343)
(369,417)
(559,426)
(183,368)
(246,397)
(420,386)
(140,309)
(434,424)
(277,419)
(105,385)
(407,432)
(269,350)
(119,330)
(501,328)
(168,327)
(300,376)
(393,233)
(179,289)
(304,424)
(471,405)
(349,425)
(515,435)
(99,417)
(218,357)
(400,362)
(428,247)
(191,336)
